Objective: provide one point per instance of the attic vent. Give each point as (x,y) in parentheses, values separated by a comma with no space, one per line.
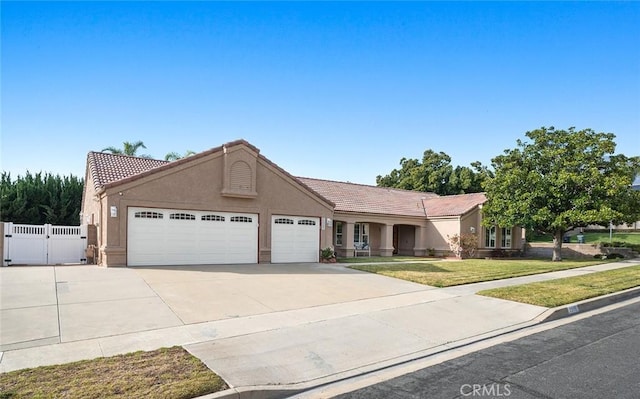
(240,176)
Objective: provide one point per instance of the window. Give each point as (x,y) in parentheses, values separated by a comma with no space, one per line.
(360,233)
(283,221)
(148,215)
(307,222)
(182,216)
(506,237)
(241,219)
(212,218)
(338,234)
(490,237)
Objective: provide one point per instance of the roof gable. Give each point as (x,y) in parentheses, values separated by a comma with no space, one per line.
(109,170)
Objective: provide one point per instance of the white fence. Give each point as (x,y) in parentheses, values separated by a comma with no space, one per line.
(43,244)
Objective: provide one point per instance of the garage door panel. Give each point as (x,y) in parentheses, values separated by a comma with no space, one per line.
(295,239)
(175,237)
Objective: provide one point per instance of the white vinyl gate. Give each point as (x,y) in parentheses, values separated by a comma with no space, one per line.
(26,244)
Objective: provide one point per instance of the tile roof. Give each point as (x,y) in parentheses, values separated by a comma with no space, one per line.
(107,168)
(350,197)
(453,205)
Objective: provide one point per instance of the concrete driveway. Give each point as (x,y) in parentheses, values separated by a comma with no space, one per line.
(275,327)
(58,304)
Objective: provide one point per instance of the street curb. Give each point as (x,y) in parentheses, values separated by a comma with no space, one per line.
(587,305)
(283,391)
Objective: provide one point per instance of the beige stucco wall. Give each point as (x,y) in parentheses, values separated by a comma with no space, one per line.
(437,231)
(470,222)
(198,185)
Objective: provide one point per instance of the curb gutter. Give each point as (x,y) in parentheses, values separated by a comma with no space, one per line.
(587,305)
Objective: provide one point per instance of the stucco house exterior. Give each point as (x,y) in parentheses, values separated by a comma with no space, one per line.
(231,204)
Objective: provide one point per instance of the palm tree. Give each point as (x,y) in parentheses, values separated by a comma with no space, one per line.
(174,156)
(128,149)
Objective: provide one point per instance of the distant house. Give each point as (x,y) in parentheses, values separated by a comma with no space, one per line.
(231,205)
(632,226)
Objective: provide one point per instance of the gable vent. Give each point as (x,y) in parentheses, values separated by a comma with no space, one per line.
(240,176)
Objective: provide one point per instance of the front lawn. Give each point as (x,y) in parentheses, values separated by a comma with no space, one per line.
(448,273)
(567,290)
(163,373)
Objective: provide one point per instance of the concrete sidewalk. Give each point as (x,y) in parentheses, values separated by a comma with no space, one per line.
(279,353)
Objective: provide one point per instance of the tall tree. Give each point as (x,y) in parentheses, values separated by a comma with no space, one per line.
(435,174)
(40,199)
(560,180)
(128,148)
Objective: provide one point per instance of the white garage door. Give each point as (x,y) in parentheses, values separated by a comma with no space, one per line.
(295,239)
(182,237)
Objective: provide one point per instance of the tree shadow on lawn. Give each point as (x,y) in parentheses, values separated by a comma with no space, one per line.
(401,267)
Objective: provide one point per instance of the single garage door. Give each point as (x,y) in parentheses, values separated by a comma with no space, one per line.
(183,237)
(295,239)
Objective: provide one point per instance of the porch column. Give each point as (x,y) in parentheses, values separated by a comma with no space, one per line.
(347,239)
(420,247)
(386,240)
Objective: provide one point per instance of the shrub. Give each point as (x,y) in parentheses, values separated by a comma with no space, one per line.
(327,253)
(464,245)
(620,244)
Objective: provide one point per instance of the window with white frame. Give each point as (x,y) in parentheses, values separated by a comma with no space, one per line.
(506,237)
(360,234)
(338,234)
(490,237)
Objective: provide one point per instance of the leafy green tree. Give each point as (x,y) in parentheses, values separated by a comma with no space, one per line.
(435,174)
(560,180)
(128,148)
(174,156)
(40,199)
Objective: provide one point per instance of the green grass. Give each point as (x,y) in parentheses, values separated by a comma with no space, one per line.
(382,259)
(164,373)
(631,238)
(449,273)
(570,289)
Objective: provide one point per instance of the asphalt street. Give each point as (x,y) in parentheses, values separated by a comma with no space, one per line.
(596,357)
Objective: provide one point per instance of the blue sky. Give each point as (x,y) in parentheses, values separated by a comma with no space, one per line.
(339,91)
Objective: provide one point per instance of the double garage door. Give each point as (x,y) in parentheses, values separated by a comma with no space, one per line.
(183,237)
